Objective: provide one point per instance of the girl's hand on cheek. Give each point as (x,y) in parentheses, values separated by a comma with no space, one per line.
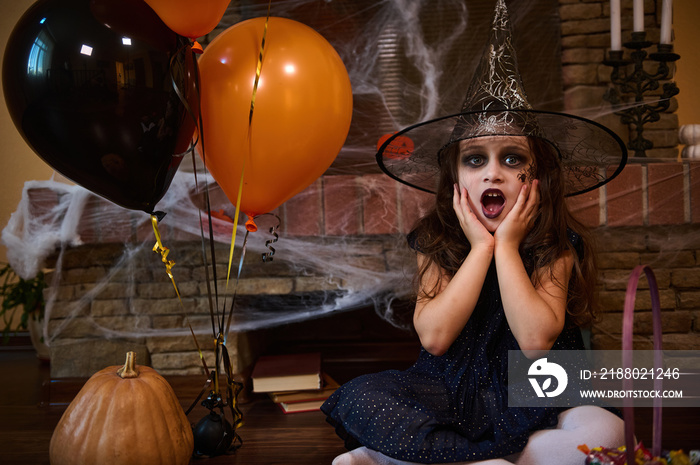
(476,232)
(519,220)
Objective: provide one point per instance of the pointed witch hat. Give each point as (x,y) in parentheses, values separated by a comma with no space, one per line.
(496,105)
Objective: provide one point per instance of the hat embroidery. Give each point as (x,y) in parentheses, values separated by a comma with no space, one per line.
(496,104)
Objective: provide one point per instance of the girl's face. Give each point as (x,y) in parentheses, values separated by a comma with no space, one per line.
(493,169)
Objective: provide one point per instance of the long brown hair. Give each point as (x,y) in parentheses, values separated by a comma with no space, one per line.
(440,238)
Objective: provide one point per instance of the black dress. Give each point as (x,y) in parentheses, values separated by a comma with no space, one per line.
(449,408)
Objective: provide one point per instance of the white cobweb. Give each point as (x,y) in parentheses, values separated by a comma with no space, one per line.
(408,61)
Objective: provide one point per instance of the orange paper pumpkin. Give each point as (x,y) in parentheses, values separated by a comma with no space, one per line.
(123,416)
(190,18)
(301,117)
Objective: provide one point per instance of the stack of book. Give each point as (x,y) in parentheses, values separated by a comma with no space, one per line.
(295,382)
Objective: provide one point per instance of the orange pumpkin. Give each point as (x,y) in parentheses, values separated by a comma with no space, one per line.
(123,415)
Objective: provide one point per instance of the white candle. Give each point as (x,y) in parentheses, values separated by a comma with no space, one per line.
(638,10)
(666,21)
(615,26)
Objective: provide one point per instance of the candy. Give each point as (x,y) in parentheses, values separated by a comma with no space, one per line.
(642,456)
(605,456)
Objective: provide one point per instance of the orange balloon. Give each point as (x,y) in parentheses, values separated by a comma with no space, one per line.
(302,113)
(190,18)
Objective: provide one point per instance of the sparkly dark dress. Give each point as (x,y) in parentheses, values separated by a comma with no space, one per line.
(450,408)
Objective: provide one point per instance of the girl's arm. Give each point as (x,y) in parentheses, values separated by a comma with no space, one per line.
(535,314)
(439,320)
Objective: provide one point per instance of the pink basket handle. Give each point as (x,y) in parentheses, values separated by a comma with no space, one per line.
(627,330)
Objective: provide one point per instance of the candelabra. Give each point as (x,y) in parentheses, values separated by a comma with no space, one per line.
(630,87)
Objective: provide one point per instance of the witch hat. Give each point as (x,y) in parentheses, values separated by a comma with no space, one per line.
(496,104)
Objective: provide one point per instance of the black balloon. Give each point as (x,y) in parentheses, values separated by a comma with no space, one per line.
(88,85)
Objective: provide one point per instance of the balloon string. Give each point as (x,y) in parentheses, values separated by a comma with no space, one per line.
(164,251)
(199,124)
(258,69)
(200,132)
(233,389)
(258,72)
(266,257)
(235,224)
(217,350)
(209,380)
(197,119)
(213,303)
(204,254)
(235,287)
(182,97)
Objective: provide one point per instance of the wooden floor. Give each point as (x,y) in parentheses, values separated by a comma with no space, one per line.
(269,436)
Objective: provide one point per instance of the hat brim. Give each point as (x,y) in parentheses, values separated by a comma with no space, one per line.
(590,154)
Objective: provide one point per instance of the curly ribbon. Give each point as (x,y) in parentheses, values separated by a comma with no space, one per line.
(267,256)
(164,251)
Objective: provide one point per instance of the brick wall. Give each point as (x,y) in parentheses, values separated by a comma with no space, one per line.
(650,214)
(112,294)
(140,299)
(673,255)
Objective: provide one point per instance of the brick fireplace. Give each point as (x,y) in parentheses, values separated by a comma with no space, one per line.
(630,217)
(650,214)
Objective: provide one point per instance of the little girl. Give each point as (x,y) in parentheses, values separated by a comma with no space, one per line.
(502,265)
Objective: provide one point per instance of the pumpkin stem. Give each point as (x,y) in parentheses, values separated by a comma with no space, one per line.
(129,369)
